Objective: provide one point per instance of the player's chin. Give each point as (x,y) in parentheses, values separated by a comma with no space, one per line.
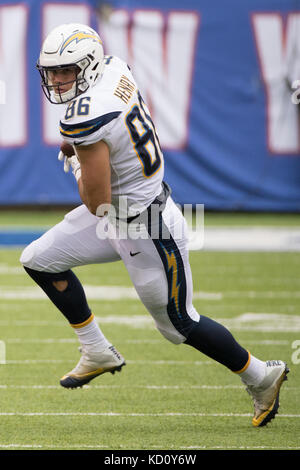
(61,91)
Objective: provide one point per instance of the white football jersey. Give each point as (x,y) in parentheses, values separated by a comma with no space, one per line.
(113,110)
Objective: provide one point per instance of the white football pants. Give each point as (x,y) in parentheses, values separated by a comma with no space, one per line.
(158,266)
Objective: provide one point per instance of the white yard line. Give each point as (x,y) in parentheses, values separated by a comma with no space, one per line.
(264,342)
(246,239)
(41,341)
(51,446)
(115,293)
(263,322)
(141,362)
(250,321)
(137,387)
(262,294)
(114,414)
(239,448)
(143,387)
(12,270)
(92,292)
(157,447)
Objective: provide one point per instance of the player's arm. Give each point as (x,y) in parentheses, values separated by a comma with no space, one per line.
(94,184)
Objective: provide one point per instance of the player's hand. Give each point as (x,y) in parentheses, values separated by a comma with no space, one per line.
(66,152)
(67,155)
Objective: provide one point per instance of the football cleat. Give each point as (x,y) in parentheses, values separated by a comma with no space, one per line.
(266,395)
(92,364)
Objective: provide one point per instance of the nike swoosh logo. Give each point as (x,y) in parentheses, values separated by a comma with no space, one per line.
(78,143)
(134,254)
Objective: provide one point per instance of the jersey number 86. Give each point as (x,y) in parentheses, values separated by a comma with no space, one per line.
(144,138)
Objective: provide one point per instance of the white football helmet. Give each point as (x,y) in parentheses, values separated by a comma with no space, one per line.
(70,46)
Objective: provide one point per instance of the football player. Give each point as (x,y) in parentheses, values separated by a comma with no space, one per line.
(128,214)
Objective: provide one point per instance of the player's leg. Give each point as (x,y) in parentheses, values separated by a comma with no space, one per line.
(162,276)
(263,379)
(49,262)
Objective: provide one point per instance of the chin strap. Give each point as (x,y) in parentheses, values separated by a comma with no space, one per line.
(67,96)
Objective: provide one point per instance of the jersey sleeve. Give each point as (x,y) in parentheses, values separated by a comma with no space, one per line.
(89,118)
(88,132)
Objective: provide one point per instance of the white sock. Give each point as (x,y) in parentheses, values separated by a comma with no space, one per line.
(90,336)
(254,372)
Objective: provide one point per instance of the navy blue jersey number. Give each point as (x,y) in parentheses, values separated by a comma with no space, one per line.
(144,138)
(79,107)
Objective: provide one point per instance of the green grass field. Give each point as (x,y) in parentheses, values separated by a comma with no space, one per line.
(167,397)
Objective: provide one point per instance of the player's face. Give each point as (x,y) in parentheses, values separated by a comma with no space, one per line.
(62,79)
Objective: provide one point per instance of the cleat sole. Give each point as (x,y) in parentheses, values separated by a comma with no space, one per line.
(117,369)
(72,382)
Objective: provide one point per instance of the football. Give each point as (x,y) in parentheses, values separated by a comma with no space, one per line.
(67,149)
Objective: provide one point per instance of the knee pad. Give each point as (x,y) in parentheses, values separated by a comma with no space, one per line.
(34,256)
(27,255)
(172,335)
(165,326)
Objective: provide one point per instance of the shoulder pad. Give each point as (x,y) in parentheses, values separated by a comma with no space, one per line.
(83,129)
